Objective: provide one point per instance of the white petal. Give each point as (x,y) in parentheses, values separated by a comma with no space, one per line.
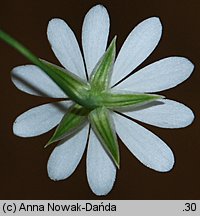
(147,147)
(40,119)
(66,156)
(163,74)
(163,113)
(137,47)
(32,80)
(95,35)
(65,46)
(101,171)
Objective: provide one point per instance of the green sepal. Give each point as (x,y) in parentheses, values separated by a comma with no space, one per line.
(73,86)
(100,77)
(71,122)
(114,100)
(103,127)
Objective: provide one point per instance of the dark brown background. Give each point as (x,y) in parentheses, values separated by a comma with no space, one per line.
(23,160)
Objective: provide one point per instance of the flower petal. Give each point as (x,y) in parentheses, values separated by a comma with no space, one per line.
(40,119)
(65,46)
(101,171)
(161,75)
(32,80)
(66,156)
(147,147)
(163,113)
(95,35)
(137,47)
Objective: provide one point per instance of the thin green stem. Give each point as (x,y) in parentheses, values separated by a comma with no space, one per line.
(22,49)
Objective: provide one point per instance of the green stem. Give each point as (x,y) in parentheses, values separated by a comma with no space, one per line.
(23,50)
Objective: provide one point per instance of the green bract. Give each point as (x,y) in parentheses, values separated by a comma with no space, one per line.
(92,99)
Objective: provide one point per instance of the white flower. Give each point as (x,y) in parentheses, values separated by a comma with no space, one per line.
(158,76)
